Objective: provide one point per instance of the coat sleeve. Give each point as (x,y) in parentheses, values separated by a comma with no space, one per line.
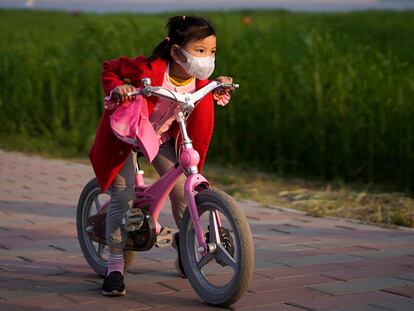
(120,71)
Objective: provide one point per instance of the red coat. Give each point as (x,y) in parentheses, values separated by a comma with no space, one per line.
(108,154)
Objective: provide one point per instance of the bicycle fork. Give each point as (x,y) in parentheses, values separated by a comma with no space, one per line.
(189,159)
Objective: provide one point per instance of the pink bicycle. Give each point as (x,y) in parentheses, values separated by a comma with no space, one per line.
(216,245)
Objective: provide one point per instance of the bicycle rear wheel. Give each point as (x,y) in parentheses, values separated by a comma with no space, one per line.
(222,276)
(95,253)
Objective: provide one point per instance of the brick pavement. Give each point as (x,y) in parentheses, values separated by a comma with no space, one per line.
(301,263)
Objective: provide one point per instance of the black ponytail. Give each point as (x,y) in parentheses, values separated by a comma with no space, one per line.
(181,30)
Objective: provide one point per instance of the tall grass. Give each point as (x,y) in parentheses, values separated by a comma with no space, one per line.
(323,95)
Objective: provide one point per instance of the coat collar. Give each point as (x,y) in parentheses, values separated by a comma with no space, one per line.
(157,70)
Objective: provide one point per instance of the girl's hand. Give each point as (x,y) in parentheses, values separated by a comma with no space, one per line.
(120,93)
(222,95)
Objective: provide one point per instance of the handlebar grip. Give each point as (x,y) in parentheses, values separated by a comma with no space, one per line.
(231,85)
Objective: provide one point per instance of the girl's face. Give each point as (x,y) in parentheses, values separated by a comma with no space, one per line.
(198,48)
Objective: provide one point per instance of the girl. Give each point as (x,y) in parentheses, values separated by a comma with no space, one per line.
(182,62)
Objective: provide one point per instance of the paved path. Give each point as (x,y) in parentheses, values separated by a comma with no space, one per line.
(302,263)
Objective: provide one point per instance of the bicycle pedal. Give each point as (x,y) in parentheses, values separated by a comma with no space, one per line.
(133,219)
(165,237)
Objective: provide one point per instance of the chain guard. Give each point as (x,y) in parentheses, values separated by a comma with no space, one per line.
(140,240)
(144,238)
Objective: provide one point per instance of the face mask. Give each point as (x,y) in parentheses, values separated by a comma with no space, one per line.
(199,67)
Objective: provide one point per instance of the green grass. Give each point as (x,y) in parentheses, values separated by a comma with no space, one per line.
(327,96)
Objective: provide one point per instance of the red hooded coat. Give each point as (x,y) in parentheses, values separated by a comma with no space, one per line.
(108,154)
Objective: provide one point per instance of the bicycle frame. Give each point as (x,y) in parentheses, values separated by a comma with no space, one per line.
(153,197)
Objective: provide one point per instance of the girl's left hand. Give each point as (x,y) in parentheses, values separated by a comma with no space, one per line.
(222,95)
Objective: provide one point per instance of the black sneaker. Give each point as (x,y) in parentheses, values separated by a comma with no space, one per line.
(178,262)
(113,285)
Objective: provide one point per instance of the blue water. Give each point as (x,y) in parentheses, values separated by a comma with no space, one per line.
(145,6)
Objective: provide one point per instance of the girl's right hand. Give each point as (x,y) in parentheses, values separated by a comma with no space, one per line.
(120,93)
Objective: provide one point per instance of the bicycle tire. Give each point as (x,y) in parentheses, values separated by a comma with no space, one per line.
(218,295)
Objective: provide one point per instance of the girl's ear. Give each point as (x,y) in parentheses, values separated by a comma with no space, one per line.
(174,51)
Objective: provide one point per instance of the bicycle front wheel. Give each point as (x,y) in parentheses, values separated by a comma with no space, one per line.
(222,276)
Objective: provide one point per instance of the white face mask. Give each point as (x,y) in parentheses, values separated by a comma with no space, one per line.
(199,67)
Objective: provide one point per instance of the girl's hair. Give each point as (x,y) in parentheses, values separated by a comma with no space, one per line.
(181,30)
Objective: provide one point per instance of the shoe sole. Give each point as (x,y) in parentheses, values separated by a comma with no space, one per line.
(113,293)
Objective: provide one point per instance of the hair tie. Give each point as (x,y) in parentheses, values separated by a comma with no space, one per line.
(183,17)
(167,38)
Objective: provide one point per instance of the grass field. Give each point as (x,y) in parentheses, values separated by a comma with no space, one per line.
(326,96)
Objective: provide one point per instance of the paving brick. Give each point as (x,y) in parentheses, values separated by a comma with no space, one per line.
(141,267)
(329,250)
(110,304)
(360,285)
(273,255)
(313,260)
(301,270)
(359,308)
(201,307)
(48,290)
(380,263)
(4,305)
(279,296)
(24,293)
(173,300)
(351,274)
(407,291)
(401,305)
(376,245)
(288,282)
(284,248)
(21,266)
(177,284)
(82,297)
(408,276)
(48,302)
(265,264)
(323,303)
(154,277)
(15,284)
(385,253)
(271,307)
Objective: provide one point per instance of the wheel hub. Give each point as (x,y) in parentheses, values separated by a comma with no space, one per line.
(226,240)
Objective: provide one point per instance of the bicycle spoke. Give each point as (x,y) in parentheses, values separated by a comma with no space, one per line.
(205,260)
(213,227)
(101,248)
(223,255)
(97,204)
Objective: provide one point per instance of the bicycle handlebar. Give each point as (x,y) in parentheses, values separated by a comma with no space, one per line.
(186,100)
